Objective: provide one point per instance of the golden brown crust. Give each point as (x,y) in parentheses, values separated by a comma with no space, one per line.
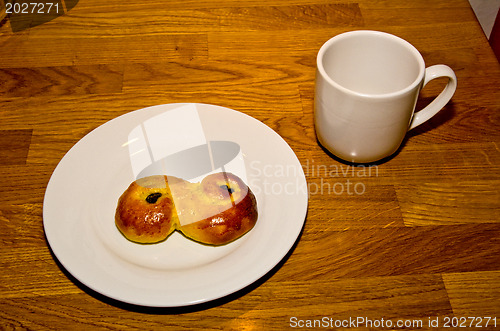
(216,211)
(226,226)
(142,221)
(230,210)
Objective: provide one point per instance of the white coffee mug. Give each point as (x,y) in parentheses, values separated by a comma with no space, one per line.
(367,85)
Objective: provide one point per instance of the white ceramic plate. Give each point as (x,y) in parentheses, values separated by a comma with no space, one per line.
(82,194)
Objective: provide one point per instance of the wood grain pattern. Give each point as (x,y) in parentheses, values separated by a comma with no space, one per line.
(414,238)
(475,293)
(201,20)
(74,80)
(396,251)
(14,146)
(439,202)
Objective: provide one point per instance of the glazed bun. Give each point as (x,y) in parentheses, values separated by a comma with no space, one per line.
(144,211)
(226,210)
(219,210)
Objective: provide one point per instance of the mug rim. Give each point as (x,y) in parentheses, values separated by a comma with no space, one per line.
(409,46)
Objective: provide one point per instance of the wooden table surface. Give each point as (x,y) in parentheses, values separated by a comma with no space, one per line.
(418,242)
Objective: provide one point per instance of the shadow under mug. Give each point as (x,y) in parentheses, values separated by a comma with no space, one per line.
(366,90)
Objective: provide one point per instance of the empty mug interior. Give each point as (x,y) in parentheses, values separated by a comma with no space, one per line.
(370,62)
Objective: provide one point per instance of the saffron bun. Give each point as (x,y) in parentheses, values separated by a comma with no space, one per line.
(144,211)
(218,210)
(224,209)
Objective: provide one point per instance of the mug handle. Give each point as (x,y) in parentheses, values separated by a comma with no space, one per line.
(433,72)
